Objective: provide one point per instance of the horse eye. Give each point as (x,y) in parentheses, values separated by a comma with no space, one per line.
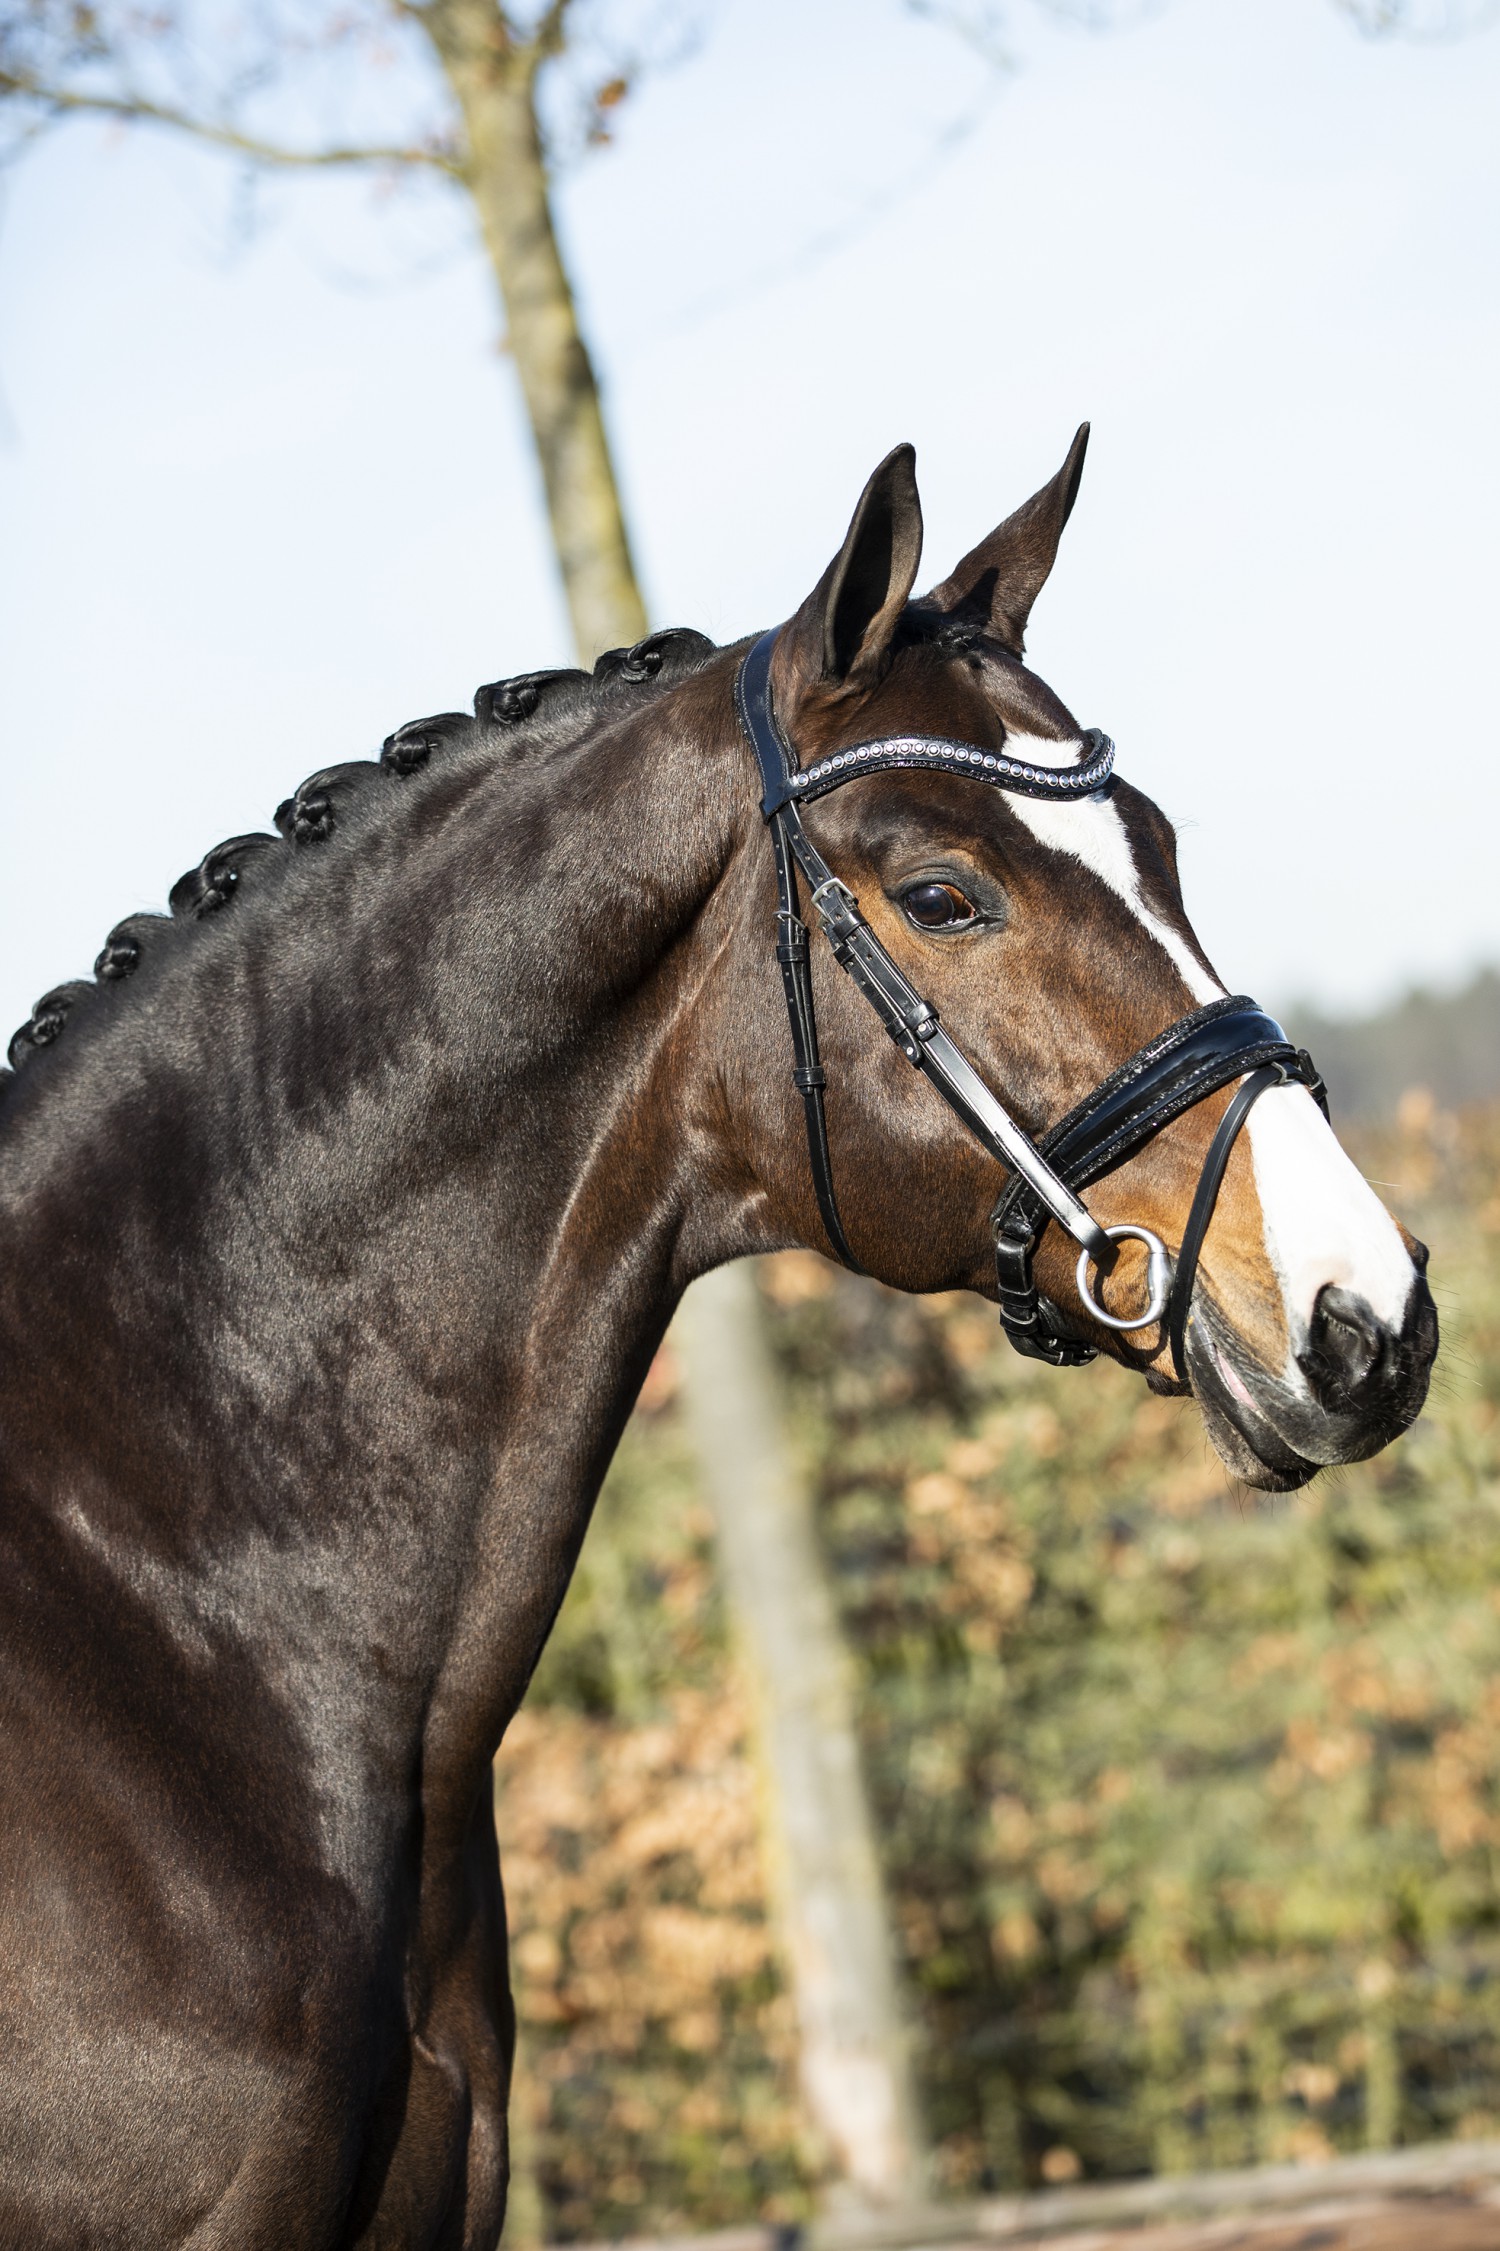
(937,906)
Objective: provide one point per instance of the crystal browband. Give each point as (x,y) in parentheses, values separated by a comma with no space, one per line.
(952,757)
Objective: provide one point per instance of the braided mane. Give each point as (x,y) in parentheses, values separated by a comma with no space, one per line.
(525,718)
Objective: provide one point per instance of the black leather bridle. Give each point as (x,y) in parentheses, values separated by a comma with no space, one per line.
(1191,1059)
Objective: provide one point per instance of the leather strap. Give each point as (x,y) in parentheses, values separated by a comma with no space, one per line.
(808,1074)
(1171,1074)
(1205,1196)
(752,690)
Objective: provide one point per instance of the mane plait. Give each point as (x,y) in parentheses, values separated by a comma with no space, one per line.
(120,955)
(208,886)
(47,1019)
(544,710)
(407,751)
(312,812)
(530,714)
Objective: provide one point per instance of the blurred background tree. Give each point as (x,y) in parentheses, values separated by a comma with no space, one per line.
(462,83)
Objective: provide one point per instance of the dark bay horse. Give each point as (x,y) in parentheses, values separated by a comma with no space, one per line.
(340,1217)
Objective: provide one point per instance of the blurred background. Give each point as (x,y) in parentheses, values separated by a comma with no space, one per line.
(1181,1813)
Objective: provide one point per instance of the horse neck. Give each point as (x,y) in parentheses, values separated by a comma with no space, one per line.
(370,1256)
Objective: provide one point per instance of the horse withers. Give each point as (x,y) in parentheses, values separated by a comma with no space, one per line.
(340,1216)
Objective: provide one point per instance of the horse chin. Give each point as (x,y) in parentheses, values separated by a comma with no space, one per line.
(1239,1402)
(1247,1444)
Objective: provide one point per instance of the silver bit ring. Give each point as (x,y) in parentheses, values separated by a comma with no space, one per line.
(1158,1278)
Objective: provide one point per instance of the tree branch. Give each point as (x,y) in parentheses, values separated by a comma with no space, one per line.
(135,109)
(547,39)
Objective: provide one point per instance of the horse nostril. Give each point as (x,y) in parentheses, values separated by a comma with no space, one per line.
(1347,1350)
(1419,1334)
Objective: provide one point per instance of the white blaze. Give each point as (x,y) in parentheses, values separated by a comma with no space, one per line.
(1322,1221)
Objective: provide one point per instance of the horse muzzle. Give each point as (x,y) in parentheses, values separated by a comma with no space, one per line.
(1352,1384)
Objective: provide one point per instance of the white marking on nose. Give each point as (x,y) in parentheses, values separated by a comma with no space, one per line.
(1321,1220)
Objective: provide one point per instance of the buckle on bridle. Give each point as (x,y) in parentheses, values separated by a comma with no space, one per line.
(836,908)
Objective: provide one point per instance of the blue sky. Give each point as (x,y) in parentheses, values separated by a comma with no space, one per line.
(263,500)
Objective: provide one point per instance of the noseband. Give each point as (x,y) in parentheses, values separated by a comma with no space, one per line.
(1191,1059)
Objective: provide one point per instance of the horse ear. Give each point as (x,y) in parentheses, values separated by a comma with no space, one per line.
(842,633)
(997,581)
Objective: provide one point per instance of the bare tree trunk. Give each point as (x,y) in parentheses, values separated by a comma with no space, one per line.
(494,77)
(525,2213)
(834,1926)
(829,1892)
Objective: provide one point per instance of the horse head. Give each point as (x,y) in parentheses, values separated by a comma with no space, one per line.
(1048,933)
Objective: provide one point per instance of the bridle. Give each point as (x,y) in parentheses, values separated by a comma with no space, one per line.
(1180,1067)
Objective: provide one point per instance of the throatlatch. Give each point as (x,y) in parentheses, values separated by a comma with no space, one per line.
(1170,1074)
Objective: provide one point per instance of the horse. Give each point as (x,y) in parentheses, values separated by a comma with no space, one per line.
(341,1215)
